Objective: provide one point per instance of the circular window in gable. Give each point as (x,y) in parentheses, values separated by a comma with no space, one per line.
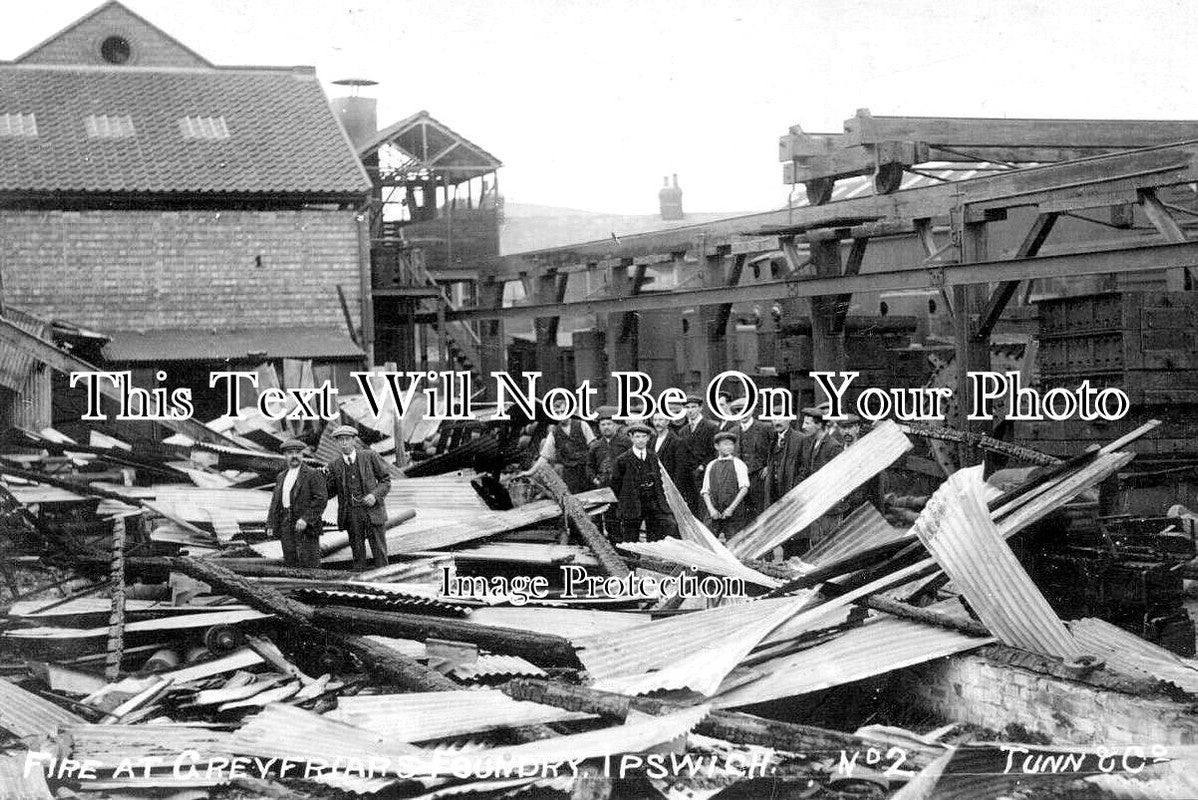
(115,50)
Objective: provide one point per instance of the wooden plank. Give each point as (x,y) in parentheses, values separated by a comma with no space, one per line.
(1000,132)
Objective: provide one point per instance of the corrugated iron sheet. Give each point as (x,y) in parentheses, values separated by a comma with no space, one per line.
(689,554)
(178,622)
(657,644)
(433,532)
(422,716)
(689,527)
(703,670)
(1025,510)
(24,713)
(957,530)
(881,645)
(526,553)
(16,363)
(490,666)
(573,623)
(862,530)
(814,497)
(82,606)
(1127,653)
(282,731)
(110,744)
(17,783)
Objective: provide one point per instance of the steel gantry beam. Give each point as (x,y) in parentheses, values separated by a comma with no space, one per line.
(1119,257)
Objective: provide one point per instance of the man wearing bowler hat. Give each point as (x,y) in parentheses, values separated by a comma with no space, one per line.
(296,507)
(360,479)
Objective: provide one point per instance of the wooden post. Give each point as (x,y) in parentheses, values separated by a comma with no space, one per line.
(116,620)
(972,351)
(827,337)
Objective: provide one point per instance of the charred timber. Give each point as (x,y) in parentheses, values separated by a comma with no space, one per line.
(541,649)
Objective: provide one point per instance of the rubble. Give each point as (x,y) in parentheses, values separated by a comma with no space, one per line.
(283,681)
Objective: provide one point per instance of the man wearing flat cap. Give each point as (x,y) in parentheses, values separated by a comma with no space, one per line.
(815,452)
(296,507)
(603,449)
(636,480)
(697,440)
(360,480)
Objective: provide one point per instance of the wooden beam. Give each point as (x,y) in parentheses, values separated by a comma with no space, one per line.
(979,132)
(1163,221)
(1130,256)
(973,353)
(852,266)
(1036,235)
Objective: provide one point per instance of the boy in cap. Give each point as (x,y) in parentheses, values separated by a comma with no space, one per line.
(360,480)
(636,480)
(296,507)
(725,486)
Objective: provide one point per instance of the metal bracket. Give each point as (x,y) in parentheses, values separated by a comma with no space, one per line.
(936,277)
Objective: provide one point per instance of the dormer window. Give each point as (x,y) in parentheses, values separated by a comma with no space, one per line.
(203,128)
(109,127)
(18,125)
(115,50)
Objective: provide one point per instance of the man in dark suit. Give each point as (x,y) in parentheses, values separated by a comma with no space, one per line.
(636,480)
(360,480)
(697,440)
(754,443)
(666,446)
(296,508)
(818,449)
(783,467)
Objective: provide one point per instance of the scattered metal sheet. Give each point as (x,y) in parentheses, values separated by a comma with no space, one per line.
(423,716)
(492,666)
(23,713)
(705,669)
(881,645)
(282,731)
(524,553)
(573,623)
(656,645)
(957,530)
(168,624)
(689,554)
(689,527)
(109,745)
(862,530)
(1127,653)
(817,495)
(21,781)
(1025,510)
(100,606)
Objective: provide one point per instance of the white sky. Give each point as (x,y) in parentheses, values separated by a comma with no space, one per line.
(588,103)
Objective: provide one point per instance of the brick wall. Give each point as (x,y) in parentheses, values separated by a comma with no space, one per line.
(974,689)
(153,270)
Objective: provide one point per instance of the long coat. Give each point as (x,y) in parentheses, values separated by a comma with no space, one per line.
(375,478)
(670,454)
(784,462)
(754,445)
(816,452)
(627,476)
(698,447)
(309,496)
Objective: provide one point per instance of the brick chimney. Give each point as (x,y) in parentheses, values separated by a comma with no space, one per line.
(669,198)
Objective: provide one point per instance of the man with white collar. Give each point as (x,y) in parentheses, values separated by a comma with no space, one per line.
(754,442)
(360,480)
(697,437)
(296,507)
(636,480)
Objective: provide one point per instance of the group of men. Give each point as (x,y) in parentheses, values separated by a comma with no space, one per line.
(727,472)
(358,478)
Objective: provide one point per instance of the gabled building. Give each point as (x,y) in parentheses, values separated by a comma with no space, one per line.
(199,215)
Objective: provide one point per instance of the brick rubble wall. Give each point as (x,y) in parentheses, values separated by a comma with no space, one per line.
(154,270)
(977,690)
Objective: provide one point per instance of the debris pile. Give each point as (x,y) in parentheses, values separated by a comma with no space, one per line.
(154,641)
